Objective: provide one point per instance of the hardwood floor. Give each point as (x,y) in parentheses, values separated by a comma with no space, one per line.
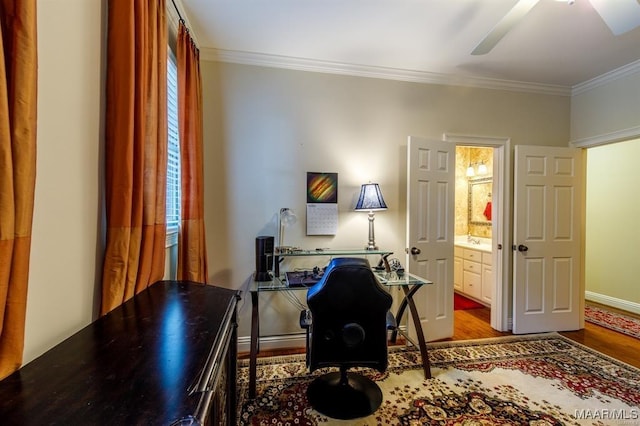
(616,345)
(474,324)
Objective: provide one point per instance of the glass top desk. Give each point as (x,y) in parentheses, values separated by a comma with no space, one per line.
(282,252)
(409,284)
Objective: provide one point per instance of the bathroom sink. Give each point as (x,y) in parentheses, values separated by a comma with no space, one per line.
(483,245)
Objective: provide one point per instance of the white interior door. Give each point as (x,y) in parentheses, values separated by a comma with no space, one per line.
(430,228)
(548,194)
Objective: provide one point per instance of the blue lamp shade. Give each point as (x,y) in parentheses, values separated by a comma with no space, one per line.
(370,198)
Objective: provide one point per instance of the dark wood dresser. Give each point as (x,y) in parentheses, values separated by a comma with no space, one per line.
(167,356)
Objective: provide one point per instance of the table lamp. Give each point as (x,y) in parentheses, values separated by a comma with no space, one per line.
(286,218)
(370,200)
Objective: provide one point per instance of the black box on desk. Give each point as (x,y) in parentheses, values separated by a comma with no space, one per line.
(264,253)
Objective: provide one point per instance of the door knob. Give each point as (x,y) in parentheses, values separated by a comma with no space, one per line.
(415,251)
(522,248)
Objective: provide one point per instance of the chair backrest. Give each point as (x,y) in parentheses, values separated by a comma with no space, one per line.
(349,317)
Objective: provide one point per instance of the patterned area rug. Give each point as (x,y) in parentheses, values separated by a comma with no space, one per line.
(612,320)
(532,380)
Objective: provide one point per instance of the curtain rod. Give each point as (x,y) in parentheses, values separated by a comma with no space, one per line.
(177,11)
(183,22)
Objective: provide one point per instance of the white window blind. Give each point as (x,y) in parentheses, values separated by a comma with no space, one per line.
(173,151)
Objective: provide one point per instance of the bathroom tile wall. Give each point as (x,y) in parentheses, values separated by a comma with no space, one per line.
(465,156)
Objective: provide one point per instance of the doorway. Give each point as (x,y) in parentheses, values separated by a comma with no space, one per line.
(498,151)
(430,228)
(611,249)
(510,247)
(474,281)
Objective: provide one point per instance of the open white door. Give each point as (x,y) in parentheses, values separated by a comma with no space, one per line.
(548,193)
(430,228)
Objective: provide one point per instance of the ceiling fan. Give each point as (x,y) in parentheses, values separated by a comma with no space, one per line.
(619,15)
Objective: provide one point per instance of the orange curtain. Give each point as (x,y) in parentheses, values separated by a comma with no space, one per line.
(136,149)
(18,96)
(192,251)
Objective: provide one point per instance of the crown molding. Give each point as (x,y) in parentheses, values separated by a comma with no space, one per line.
(606,138)
(624,71)
(302,64)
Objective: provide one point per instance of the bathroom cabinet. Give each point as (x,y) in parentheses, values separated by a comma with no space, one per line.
(488,282)
(473,273)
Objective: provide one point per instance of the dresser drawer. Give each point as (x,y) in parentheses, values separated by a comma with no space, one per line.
(474,267)
(487,258)
(473,255)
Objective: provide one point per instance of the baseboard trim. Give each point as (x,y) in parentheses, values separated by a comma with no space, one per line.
(285,341)
(603,299)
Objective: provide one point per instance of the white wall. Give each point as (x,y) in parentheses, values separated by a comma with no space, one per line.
(607,108)
(65,237)
(265,128)
(613,209)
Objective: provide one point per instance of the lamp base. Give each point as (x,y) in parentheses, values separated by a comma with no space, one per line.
(371,245)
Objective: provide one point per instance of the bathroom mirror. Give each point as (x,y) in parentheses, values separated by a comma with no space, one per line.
(479,201)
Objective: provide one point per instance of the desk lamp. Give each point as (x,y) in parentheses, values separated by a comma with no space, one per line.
(371,200)
(286,218)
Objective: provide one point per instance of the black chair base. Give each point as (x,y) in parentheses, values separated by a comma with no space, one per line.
(335,397)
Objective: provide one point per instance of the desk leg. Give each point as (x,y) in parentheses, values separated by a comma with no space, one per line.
(408,293)
(255,337)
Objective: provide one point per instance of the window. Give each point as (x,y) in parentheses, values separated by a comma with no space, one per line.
(173,170)
(173,153)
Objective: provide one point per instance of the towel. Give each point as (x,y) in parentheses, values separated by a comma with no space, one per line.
(487,211)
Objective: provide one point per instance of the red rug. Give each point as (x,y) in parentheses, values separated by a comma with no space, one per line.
(461,303)
(612,320)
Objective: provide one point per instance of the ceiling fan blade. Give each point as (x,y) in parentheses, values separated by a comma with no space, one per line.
(517,12)
(620,15)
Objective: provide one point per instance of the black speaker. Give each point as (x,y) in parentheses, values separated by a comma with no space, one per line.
(264,253)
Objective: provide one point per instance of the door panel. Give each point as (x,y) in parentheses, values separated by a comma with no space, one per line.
(547,223)
(430,197)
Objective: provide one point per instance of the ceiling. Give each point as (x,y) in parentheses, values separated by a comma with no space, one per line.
(554,44)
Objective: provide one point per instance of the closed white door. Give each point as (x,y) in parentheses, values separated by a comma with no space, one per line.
(430,228)
(548,206)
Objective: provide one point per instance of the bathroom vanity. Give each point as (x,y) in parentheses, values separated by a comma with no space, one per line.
(473,273)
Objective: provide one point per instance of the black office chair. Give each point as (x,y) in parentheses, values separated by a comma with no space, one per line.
(348,328)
